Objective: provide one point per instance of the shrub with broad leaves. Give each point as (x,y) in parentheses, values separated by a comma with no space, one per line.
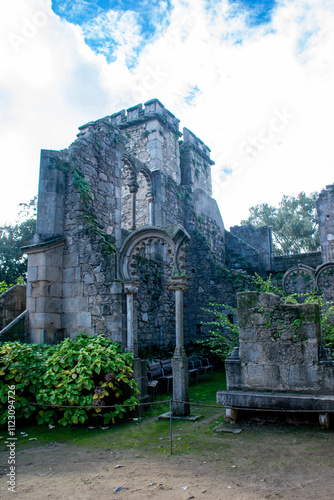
(89,372)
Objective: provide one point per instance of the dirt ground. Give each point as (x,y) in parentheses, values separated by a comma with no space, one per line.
(259,463)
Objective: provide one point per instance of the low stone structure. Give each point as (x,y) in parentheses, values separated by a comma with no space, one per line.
(280,363)
(12,304)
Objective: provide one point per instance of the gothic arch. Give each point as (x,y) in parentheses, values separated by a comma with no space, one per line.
(174,239)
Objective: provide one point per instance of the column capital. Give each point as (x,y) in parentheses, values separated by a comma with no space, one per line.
(131,287)
(177,283)
(133,187)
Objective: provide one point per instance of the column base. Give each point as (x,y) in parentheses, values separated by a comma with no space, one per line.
(181,407)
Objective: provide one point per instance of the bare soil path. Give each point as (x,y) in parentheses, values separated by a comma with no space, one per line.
(262,462)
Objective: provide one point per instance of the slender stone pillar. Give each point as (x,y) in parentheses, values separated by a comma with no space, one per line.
(150,200)
(131,334)
(180,360)
(133,190)
(139,365)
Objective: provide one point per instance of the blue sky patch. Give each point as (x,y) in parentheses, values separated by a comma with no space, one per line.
(259,11)
(111,26)
(107,24)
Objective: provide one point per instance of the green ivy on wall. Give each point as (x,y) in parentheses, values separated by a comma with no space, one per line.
(86,197)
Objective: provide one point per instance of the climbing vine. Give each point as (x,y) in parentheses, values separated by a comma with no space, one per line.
(86,196)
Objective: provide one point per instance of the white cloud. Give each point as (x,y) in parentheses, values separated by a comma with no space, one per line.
(54,82)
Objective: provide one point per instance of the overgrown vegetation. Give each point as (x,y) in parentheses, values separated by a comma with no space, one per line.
(13,262)
(86,196)
(89,371)
(225,334)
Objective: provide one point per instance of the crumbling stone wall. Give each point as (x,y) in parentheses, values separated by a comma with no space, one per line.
(12,304)
(259,238)
(279,348)
(95,193)
(284,262)
(240,255)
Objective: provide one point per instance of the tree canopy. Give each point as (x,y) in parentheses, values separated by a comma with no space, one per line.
(294,223)
(13,263)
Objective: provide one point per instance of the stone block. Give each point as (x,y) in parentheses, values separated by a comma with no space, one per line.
(32,273)
(68,320)
(37,335)
(88,278)
(303,378)
(39,320)
(247,300)
(37,259)
(70,304)
(49,273)
(55,257)
(71,260)
(269,300)
(251,352)
(84,319)
(82,304)
(55,321)
(234,375)
(262,377)
(41,304)
(69,275)
(68,290)
(31,304)
(53,305)
(56,290)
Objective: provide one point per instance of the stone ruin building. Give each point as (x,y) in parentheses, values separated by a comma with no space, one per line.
(281,365)
(128,231)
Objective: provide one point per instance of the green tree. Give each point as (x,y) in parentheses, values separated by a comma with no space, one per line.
(13,262)
(294,223)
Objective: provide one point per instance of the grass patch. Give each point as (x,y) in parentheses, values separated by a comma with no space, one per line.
(144,433)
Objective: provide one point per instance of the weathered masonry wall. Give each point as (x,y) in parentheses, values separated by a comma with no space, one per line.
(124,172)
(12,304)
(240,255)
(152,135)
(252,249)
(71,275)
(284,262)
(279,348)
(325,209)
(260,239)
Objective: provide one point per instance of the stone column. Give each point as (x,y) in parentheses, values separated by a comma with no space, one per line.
(130,289)
(139,365)
(133,190)
(150,200)
(180,360)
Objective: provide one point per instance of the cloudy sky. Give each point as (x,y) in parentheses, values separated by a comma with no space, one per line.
(253,79)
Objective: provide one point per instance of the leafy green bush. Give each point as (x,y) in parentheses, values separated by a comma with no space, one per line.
(224,333)
(22,366)
(91,372)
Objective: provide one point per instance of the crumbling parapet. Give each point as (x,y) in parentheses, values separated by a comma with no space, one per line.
(280,363)
(195,163)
